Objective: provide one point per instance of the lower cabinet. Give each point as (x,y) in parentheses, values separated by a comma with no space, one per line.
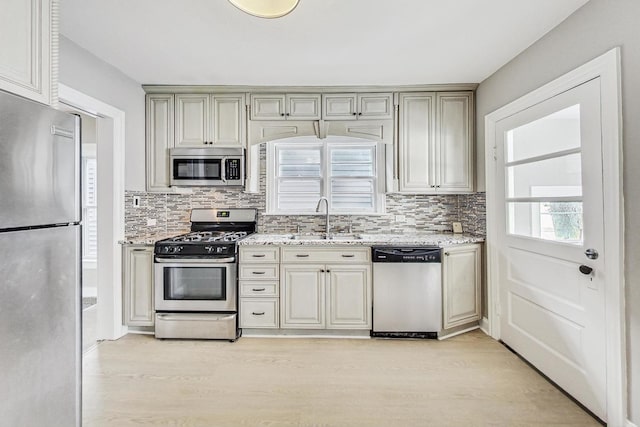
(259,312)
(326,296)
(138,285)
(461,280)
(259,272)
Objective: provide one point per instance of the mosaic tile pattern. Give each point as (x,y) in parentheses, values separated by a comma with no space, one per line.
(422,213)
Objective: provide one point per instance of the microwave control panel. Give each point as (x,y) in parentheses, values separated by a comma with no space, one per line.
(232,169)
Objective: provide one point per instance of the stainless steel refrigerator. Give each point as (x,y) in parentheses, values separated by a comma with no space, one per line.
(40,265)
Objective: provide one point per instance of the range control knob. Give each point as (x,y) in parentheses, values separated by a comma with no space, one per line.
(219,249)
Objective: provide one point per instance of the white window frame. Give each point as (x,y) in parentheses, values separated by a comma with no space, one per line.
(325,184)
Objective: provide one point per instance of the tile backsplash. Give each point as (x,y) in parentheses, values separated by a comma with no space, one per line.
(421,213)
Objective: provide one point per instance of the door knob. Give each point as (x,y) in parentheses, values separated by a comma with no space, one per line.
(591,253)
(585,269)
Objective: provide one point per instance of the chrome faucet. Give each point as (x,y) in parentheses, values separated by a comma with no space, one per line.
(326,224)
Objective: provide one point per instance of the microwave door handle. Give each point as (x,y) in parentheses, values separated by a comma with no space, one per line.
(223,170)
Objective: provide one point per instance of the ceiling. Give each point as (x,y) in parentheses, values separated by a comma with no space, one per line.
(322,42)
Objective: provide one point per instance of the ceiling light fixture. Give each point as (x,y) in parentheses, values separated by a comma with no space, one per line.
(265,8)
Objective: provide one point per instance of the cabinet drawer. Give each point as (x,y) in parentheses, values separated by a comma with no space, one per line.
(259,254)
(259,271)
(323,255)
(259,289)
(259,312)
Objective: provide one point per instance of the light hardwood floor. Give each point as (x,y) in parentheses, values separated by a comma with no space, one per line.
(469,380)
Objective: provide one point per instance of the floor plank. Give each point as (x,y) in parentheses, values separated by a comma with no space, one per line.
(468,380)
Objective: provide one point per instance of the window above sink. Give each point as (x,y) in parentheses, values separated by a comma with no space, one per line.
(348,171)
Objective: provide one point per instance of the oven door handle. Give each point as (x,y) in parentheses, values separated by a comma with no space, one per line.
(194,317)
(180,261)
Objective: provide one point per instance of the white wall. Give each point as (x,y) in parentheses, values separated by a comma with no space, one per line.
(591,31)
(86,73)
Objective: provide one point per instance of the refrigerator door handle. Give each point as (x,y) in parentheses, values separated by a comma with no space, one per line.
(55,130)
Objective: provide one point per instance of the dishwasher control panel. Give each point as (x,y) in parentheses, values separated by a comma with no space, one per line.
(406,254)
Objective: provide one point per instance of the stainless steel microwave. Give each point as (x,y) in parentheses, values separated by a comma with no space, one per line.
(207,166)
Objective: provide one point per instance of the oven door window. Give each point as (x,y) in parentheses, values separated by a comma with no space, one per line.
(197,169)
(195,283)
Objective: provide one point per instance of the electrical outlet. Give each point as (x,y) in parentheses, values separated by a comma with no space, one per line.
(400,218)
(151,222)
(136,201)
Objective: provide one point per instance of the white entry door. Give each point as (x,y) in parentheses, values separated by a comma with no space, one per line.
(551,274)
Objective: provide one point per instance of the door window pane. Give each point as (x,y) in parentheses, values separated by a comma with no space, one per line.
(560,172)
(557,221)
(556,132)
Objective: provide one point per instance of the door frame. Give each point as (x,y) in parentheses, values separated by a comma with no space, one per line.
(110,325)
(607,68)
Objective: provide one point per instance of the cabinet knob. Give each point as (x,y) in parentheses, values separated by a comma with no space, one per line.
(328,271)
(446,253)
(282,114)
(359,114)
(321,271)
(355,114)
(287,114)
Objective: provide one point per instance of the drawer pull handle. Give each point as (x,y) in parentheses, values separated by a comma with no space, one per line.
(258,289)
(302,255)
(257,272)
(258,314)
(347,256)
(258,255)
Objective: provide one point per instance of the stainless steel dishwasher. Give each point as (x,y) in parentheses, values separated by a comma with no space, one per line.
(407,292)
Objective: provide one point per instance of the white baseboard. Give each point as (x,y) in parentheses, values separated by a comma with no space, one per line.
(484,325)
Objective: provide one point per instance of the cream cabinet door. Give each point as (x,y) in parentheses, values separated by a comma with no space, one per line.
(192,120)
(454,130)
(268,107)
(348,296)
(417,149)
(302,297)
(461,280)
(303,106)
(159,139)
(436,142)
(375,106)
(339,106)
(27,32)
(138,286)
(228,121)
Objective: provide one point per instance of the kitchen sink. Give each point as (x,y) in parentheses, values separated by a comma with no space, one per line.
(337,237)
(307,237)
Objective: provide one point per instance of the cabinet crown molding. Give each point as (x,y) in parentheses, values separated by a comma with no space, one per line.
(306,89)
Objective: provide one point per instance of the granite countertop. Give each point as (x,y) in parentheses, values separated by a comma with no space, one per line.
(425,239)
(147,240)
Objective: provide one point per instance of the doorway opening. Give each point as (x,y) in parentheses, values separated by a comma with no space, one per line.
(103,214)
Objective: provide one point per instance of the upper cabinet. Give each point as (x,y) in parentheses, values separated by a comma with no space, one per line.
(204,120)
(28,42)
(361,106)
(433,150)
(435,142)
(160,138)
(294,106)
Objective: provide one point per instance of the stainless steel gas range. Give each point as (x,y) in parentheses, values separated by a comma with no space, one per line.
(196,286)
